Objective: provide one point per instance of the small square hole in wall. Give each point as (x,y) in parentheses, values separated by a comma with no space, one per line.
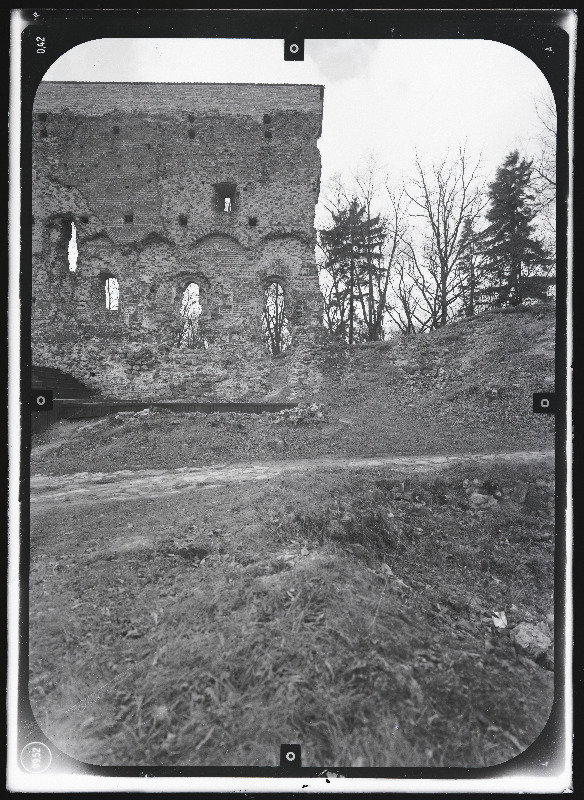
(149,146)
(268,134)
(85,220)
(191,117)
(191,133)
(115,129)
(252,221)
(42,117)
(44,133)
(267,119)
(225,196)
(128,219)
(182,220)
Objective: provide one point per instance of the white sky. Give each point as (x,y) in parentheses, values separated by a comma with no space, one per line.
(388,97)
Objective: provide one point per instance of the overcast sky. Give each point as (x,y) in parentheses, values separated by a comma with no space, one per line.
(388,97)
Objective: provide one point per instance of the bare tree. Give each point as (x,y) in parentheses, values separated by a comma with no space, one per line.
(472,270)
(444,195)
(275,327)
(190,335)
(359,251)
(544,164)
(425,278)
(406,302)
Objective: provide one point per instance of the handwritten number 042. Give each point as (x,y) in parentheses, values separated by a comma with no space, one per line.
(40,44)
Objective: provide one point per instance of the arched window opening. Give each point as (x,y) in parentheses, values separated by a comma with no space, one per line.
(72,251)
(190,335)
(112,294)
(60,238)
(275,326)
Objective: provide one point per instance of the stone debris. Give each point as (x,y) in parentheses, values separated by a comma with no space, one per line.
(537,496)
(314,413)
(533,640)
(483,500)
(519,492)
(550,621)
(124,414)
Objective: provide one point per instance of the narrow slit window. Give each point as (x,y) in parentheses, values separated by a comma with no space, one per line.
(227,206)
(72,250)
(182,220)
(116,129)
(112,294)
(267,119)
(128,219)
(191,133)
(275,327)
(268,134)
(190,335)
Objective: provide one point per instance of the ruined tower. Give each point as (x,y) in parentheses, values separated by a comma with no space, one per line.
(148,197)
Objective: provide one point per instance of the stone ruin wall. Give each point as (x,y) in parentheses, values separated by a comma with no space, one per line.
(135,167)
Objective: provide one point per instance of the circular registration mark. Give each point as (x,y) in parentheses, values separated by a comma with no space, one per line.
(36,757)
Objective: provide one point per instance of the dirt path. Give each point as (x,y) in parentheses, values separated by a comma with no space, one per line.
(87,487)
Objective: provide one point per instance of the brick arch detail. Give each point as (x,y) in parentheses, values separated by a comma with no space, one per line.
(215,231)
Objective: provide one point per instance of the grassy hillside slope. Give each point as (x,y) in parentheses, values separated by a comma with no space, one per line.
(464,389)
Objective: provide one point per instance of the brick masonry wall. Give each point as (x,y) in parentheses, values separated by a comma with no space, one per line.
(136,168)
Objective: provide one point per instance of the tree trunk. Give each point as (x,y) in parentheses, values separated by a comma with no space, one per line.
(470,310)
(443,296)
(351,299)
(371,320)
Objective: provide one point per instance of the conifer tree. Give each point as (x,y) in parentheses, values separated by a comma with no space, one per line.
(516,260)
(353,247)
